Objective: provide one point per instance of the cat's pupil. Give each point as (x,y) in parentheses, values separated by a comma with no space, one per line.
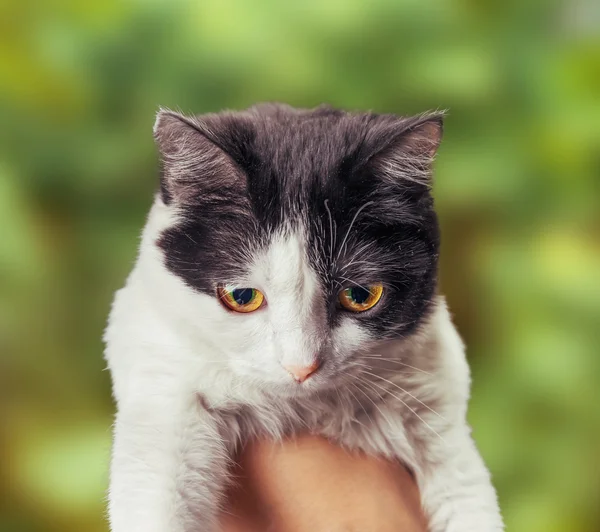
(359,295)
(242,296)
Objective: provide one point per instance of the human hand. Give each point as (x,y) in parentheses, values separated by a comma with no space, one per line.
(309,484)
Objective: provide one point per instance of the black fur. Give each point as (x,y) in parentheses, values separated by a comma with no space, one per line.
(239,177)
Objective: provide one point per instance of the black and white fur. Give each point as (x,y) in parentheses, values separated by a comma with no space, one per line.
(298,204)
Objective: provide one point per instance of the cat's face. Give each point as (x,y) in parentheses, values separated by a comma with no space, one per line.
(304,237)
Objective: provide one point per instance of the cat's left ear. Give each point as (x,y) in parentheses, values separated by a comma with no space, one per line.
(408,148)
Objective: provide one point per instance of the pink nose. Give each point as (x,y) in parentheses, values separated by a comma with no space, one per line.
(301,373)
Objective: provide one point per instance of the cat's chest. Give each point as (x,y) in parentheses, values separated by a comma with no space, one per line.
(375,429)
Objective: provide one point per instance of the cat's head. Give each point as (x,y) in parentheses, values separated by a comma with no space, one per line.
(302,237)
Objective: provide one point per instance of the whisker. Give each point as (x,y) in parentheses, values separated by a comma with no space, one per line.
(411,409)
(350,281)
(391,425)
(407,393)
(355,262)
(359,403)
(190,238)
(359,364)
(338,394)
(350,228)
(396,361)
(331,233)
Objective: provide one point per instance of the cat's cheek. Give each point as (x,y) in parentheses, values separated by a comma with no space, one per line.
(349,336)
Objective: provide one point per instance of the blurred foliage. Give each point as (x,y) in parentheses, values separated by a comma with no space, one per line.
(518,191)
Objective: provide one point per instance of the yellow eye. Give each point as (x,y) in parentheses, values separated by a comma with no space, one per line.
(241,299)
(360,298)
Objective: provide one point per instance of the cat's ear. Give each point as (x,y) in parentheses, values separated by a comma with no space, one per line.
(409,149)
(192,163)
(422,139)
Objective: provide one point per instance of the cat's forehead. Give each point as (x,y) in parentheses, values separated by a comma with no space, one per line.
(316,136)
(281,264)
(303,165)
(297,149)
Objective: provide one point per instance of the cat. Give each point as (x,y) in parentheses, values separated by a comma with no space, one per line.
(287,281)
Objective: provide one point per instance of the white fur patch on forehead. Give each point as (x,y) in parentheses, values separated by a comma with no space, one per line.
(285,274)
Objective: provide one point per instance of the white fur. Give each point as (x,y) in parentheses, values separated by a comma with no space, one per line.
(193,381)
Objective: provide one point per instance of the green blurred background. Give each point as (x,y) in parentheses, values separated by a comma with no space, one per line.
(518,191)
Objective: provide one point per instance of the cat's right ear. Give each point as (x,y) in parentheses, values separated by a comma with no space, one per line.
(191,163)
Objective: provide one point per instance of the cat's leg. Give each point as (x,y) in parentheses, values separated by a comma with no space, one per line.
(455,485)
(169,464)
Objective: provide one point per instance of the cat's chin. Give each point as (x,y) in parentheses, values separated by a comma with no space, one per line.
(295,390)
(323,382)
